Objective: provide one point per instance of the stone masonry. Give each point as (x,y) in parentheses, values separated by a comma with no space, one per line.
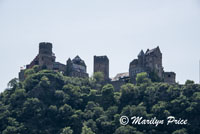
(149,62)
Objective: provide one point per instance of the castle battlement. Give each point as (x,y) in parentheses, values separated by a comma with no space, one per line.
(45,48)
(149,62)
(101,58)
(101,64)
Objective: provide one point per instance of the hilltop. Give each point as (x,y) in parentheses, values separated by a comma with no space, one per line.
(48,102)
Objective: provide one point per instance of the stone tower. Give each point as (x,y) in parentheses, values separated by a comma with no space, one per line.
(76,68)
(153,61)
(101,64)
(46,56)
(150,62)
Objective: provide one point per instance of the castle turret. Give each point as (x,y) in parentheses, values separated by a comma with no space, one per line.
(46,56)
(141,57)
(101,64)
(76,68)
(45,48)
(153,61)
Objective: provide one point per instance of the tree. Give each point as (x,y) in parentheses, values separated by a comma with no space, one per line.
(189,82)
(127,130)
(129,94)
(97,80)
(86,130)
(29,72)
(65,111)
(133,110)
(154,77)
(48,102)
(13,83)
(67,130)
(13,127)
(98,77)
(142,78)
(107,96)
(180,131)
(91,124)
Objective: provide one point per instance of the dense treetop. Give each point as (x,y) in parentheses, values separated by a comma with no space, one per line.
(48,102)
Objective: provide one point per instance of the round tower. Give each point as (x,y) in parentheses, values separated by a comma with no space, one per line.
(46,57)
(45,48)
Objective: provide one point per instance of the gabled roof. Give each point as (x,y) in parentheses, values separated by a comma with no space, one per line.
(78,60)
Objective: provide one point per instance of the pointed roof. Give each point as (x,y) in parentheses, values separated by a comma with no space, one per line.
(141,53)
(78,60)
(69,59)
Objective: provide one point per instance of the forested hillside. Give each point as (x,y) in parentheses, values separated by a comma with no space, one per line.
(49,103)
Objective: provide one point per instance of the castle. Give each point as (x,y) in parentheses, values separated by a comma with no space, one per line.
(149,62)
(46,59)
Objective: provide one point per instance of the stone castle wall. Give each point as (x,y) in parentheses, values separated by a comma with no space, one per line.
(150,61)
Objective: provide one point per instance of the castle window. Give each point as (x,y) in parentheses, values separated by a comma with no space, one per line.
(169,75)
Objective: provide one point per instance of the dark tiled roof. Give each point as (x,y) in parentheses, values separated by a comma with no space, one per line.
(78,60)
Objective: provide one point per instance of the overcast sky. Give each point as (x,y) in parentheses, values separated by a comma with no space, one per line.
(116,28)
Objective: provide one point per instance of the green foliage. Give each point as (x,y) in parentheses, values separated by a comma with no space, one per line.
(142,78)
(47,102)
(154,77)
(189,82)
(126,130)
(13,127)
(180,131)
(12,84)
(36,68)
(29,72)
(67,130)
(97,80)
(133,110)
(98,77)
(86,130)
(129,92)
(107,96)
